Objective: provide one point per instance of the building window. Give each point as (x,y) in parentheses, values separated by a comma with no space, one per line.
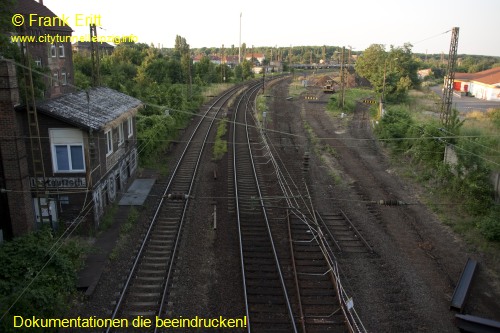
(109,142)
(64,80)
(121,137)
(61,50)
(38,62)
(68,158)
(53,52)
(67,150)
(55,81)
(130,127)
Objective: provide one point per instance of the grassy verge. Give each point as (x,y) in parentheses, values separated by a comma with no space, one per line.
(351,97)
(324,152)
(296,88)
(108,217)
(215,89)
(220,144)
(460,193)
(261,107)
(124,235)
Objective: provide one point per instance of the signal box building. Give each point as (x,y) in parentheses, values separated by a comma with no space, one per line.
(88,152)
(89,148)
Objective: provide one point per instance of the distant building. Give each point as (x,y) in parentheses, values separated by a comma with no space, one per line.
(57,57)
(84,47)
(423,73)
(230,60)
(260,57)
(484,85)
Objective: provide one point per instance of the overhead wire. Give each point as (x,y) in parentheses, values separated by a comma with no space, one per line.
(144,144)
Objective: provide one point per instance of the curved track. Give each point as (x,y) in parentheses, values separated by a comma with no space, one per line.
(267,302)
(294,288)
(146,287)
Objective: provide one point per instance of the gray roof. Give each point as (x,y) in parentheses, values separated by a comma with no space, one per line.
(105,106)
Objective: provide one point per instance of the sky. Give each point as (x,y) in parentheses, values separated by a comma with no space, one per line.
(426,24)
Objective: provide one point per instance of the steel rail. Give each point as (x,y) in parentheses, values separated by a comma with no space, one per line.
(162,200)
(266,220)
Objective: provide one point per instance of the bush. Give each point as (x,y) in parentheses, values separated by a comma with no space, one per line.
(427,147)
(494,115)
(490,225)
(394,127)
(152,132)
(22,261)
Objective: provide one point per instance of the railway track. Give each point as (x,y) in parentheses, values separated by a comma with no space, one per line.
(268,306)
(318,303)
(295,288)
(147,284)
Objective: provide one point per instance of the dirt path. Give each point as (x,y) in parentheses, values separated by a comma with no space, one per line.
(409,285)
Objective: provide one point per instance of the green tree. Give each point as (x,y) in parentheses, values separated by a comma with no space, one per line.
(392,73)
(6,11)
(205,69)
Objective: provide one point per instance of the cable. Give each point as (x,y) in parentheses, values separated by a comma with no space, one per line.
(423,40)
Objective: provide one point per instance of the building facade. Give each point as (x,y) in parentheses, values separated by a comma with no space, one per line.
(483,85)
(89,150)
(54,59)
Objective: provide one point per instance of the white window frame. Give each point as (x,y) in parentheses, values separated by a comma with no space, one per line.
(64,79)
(53,50)
(109,142)
(121,135)
(130,127)
(68,138)
(62,53)
(55,81)
(38,62)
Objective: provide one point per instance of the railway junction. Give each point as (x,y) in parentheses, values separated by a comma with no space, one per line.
(287,230)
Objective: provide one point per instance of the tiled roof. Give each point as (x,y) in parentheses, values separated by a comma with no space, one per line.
(105,106)
(27,7)
(489,76)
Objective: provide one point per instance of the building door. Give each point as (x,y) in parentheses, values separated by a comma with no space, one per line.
(51,212)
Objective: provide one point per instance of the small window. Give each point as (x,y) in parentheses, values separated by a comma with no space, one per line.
(61,50)
(130,127)
(53,52)
(121,137)
(109,142)
(64,80)
(38,62)
(69,158)
(55,81)
(64,200)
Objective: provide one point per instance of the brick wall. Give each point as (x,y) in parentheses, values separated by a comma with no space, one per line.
(13,153)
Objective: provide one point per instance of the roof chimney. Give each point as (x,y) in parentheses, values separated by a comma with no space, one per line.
(41,2)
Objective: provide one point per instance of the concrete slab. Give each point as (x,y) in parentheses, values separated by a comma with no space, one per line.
(137,192)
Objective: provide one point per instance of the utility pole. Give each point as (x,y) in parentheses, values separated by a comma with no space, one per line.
(447,99)
(94,56)
(239,52)
(223,66)
(342,79)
